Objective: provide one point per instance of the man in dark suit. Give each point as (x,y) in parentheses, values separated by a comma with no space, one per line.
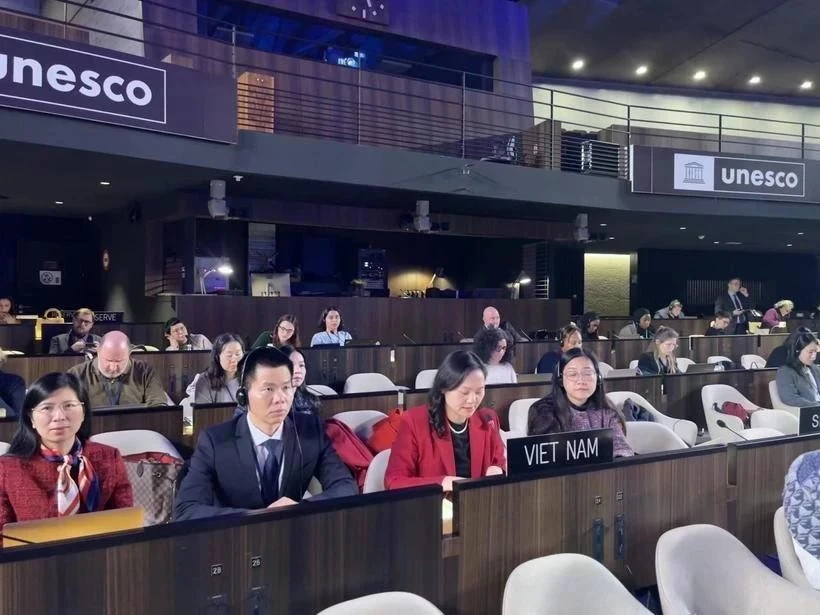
(265,457)
(79,339)
(736,301)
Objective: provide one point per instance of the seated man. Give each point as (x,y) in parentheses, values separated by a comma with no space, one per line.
(265,457)
(112,378)
(179,339)
(720,326)
(79,339)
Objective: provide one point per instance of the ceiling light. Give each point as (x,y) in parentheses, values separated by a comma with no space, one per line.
(58,202)
(612,238)
(699,76)
(578,64)
(603,223)
(801,233)
(807,85)
(701,236)
(642,70)
(754,80)
(105,183)
(716,242)
(683,228)
(90,218)
(734,243)
(788,245)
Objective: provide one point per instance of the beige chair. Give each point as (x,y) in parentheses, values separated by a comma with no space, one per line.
(717,359)
(604,369)
(777,403)
(633,365)
(782,421)
(686,430)
(518,414)
(704,570)
(712,394)
(388,603)
(321,390)
(566,584)
(752,361)
(374,477)
(789,564)
(361,421)
(683,364)
(646,438)
(136,441)
(4,448)
(370,382)
(424,379)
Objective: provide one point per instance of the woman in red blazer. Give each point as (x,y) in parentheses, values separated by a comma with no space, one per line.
(450,438)
(51,469)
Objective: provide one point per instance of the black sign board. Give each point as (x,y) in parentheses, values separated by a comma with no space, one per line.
(557,451)
(666,171)
(112,317)
(809,420)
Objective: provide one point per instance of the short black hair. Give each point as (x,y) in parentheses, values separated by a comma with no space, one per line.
(170,323)
(722,314)
(265,357)
(486,341)
(795,345)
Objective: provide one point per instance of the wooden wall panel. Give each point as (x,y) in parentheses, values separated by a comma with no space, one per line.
(18,337)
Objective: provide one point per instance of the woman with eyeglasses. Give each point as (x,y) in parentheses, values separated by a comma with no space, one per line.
(493,347)
(220,382)
(577,403)
(284,333)
(661,359)
(52,469)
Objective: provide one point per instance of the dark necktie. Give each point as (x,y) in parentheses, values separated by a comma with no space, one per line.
(270,473)
(736,301)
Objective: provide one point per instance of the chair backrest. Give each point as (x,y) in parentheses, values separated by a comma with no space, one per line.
(712,394)
(374,477)
(683,364)
(633,364)
(752,361)
(4,448)
(685,430)
(401,603)
(777,403)
(361,421)
(370,382)
(784,422)
(646,438)
(692,567)
(717,359)
(604,369)
(424,379)
(321,390)
(136,441)
(789,563)
(519,413)
(566,583)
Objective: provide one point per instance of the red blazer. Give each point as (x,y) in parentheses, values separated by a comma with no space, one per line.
(420,457)
(28,487)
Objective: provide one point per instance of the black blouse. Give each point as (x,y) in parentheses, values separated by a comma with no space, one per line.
(461,449)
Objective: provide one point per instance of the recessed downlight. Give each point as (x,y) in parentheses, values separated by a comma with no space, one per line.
(642,70)
(807,85)
(699,75)
(578,64)
(755,80)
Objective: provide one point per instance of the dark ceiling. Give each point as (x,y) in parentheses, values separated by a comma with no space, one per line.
(731,40)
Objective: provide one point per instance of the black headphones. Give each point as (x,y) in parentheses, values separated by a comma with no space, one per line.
(242,393)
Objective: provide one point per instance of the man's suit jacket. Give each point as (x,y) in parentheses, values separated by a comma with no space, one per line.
(724,303)
(795,388)
(59,343)
(222,478)
(420,457)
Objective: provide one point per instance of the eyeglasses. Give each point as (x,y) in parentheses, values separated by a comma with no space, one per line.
(83,321)
(286,329)
(587,374)
(67,408)
(231,355)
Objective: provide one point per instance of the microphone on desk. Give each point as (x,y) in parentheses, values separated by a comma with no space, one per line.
(722,423)
(408,338)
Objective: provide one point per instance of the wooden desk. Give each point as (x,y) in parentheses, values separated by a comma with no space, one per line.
(625,351)
(758,469)
(18,337)
(301,559)
(151,333)
(732,346)
(501,523)
(649,387)
(767,343)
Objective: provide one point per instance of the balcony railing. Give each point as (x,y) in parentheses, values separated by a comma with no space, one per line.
(503,122)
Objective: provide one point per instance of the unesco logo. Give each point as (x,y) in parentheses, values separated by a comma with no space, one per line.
(694,172)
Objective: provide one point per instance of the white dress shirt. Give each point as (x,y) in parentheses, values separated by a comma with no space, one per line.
(259,438)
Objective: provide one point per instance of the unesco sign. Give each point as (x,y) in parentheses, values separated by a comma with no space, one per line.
(665,171)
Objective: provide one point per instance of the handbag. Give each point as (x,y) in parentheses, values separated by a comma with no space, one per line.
(385,431)
(154,478)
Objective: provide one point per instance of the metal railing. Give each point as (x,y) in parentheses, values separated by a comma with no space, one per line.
(507,123)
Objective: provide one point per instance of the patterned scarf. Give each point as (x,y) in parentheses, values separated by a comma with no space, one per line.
(69,494)
(801,501)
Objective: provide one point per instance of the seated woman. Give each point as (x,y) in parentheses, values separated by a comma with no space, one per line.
(12,390)
(778,356)
(451,437)
(577,403)
(570,338)
(284,332)
(801,508)
(640,327)
(777,314)
(492,345)
(303,399)
(661,359)
(6,311)
(798,380)
(331,329)
(219,383)
(673,311)
(589,324)
(50,455)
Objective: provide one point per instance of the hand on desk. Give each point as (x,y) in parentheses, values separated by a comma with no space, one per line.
(447,483)
(282,502)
